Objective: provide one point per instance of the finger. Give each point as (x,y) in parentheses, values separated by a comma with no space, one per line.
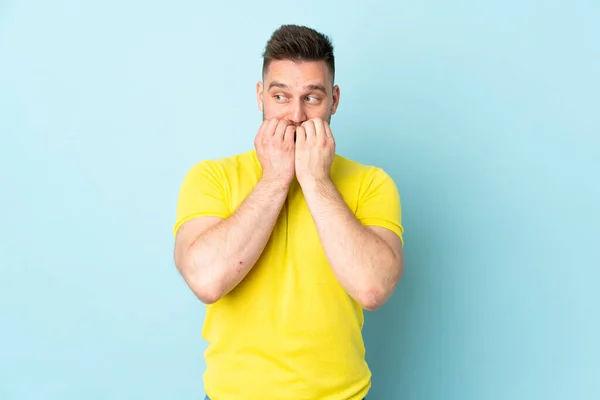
(272,127)
(309,128)
(267,130)
(300,136)
(289,135)
(280,129)
(263,134)
(262,128)
(320,128)
(330,137)
(328,130)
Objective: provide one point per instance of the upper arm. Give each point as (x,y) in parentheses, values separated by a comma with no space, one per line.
(390,238)
(393,241)
(379,208)
(201,204)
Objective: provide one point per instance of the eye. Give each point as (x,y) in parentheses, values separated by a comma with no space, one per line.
(279,97)
(312,99)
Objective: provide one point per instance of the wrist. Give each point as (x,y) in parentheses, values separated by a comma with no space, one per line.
(314,182)
(275,182)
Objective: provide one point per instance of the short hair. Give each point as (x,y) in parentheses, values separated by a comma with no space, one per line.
(299,43)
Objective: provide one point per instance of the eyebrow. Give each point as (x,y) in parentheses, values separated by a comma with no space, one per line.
(307,87)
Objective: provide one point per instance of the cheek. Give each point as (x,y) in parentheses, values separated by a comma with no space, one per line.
(318,112)
(273,111)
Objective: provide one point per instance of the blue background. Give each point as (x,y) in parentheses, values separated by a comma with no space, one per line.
(486,114)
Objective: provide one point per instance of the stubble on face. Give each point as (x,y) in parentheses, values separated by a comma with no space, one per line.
(297,80)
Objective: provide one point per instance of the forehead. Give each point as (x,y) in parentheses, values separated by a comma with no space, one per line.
(297,73)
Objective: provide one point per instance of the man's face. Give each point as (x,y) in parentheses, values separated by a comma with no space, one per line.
(297,91)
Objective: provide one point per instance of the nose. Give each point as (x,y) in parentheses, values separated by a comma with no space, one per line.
(297,114)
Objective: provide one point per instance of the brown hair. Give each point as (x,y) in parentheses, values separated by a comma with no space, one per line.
(299,43)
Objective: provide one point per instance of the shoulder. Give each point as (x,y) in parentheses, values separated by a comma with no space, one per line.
(221,168)
(345,168)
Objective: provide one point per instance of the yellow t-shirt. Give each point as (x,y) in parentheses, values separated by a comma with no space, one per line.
(288,331)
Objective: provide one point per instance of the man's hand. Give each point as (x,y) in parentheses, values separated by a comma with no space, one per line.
(366,260)
(315,151)
(275,150)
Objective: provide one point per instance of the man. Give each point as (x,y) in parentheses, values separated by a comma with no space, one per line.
(289,242)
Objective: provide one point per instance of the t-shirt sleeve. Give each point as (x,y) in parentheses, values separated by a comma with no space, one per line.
(202,194)
(379,203)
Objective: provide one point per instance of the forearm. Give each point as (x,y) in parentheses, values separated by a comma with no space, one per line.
(223,255)
(363,263)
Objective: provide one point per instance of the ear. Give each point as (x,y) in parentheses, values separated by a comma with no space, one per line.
(336,99)
(259,95)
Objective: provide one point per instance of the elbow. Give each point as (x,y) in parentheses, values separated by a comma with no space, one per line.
(374,295)
(207,295)
(372,299)
(205,285)
(202,273)
(208,291)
